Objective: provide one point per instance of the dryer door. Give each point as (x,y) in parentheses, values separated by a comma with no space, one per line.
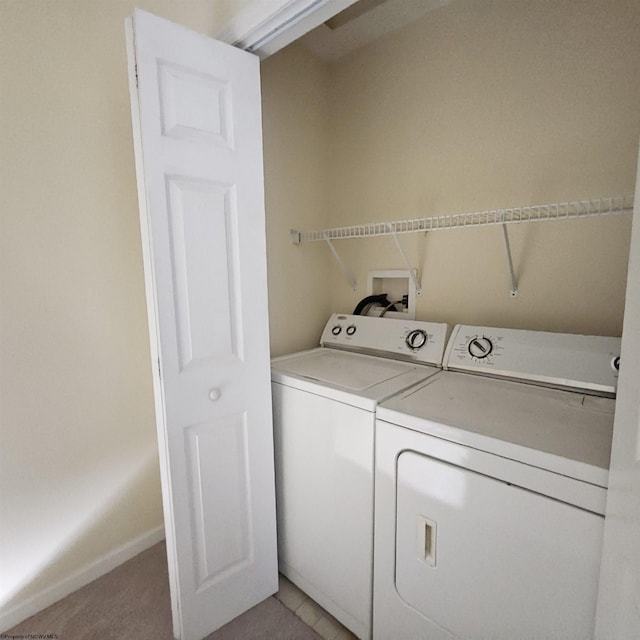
(487,559)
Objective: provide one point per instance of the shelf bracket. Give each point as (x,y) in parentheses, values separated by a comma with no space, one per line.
(507,246)
(345,270)
(407,264)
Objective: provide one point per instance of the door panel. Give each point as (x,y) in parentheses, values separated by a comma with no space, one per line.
(218,465)
(204,241)
(197,129)
(180,88)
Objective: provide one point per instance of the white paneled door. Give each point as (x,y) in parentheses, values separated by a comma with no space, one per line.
(197,130)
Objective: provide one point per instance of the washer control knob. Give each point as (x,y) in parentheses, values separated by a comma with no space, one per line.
(416,339)
(351,329)
(337,330)
(479,347)
(615,363)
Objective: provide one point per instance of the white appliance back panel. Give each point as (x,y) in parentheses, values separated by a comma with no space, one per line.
(557,359)
(387,337)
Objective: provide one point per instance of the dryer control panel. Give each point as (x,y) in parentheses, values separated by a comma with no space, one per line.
(413,340)
(563,360)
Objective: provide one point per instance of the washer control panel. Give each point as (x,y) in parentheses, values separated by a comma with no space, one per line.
(564,360)
(415,340)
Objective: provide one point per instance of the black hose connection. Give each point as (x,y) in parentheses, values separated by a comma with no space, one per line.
(380,300)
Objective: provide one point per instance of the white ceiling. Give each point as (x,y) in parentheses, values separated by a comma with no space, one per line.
(362,23)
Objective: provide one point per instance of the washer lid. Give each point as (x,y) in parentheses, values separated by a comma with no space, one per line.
(353,373)
(565,432)
(354,378)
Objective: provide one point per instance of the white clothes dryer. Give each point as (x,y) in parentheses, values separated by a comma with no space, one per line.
(490,490)
(324,403)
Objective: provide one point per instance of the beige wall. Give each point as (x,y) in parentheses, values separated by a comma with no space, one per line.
(78,454)
(295,104)
(484,105)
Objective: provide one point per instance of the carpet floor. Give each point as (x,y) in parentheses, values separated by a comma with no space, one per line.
(132,601)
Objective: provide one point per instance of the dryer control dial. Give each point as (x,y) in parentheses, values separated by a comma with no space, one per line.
(336,330)
(416,339)
(479,347)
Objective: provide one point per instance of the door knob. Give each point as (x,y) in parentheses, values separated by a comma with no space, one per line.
(215,394)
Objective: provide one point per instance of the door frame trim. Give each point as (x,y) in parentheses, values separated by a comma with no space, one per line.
(266,27)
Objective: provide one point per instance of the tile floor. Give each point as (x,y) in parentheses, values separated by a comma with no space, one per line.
(311,613)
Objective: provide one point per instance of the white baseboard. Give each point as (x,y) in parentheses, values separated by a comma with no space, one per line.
(109,561)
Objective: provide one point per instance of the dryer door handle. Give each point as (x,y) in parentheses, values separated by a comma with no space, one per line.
(426,538)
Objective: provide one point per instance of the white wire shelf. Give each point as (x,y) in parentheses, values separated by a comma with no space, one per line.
(614,205)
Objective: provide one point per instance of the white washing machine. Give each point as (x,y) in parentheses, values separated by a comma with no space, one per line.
(490,489)
(324,403)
